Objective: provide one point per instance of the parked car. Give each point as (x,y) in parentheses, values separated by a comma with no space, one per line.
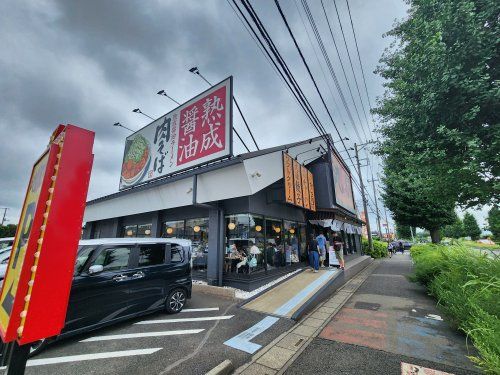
(121,278)
(4,262)
(407,245)
(6,242)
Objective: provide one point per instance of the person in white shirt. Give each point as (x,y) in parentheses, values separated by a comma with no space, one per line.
(254,249)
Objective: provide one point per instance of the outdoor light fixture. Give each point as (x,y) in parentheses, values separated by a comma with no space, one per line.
(194,70)
(137,110)
(122,126)
(277,229)
(258,228)
(231,226)
(292,231)
(170,230)
(196,228)
(163,93)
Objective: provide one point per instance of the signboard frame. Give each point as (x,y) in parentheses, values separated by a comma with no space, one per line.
(46,273)
(229,128)
(342,164)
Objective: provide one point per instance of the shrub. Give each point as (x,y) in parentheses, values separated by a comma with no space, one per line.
(379,249)
(467,287)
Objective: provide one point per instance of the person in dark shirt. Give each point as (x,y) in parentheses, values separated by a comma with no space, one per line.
(313,250)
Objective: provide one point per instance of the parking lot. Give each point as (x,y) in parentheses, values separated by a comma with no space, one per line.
(191,342)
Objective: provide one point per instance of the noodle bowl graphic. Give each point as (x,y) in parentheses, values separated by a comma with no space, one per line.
(136,160)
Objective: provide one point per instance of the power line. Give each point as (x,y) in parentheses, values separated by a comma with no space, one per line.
(329,64)
(285,72)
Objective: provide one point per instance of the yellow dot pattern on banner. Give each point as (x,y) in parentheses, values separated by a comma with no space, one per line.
(36,256)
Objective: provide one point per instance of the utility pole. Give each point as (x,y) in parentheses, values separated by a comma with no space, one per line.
(363,196)
(4,213)
(376,207)
(387,224)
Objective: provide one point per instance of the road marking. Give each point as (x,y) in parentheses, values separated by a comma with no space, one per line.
(143,334)
(297,299)
(409,369)
(201,309)
(242,341)
(182,320)
(88,357)
(434,316)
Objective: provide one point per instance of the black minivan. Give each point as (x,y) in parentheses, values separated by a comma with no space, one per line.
(121,278)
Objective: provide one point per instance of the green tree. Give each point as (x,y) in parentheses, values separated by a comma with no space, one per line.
(494,222)
(8,230)
(471,227)
(403,231)
(442,103)
(455,229)
(414,195)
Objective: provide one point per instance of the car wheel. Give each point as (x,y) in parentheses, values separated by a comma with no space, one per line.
(176,301)
(37,347)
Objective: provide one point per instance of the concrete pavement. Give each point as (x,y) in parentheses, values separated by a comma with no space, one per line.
(388,321)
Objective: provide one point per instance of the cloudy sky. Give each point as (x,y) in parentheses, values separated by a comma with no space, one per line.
(90,62)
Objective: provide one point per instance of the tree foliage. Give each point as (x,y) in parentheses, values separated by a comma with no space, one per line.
(440,113)
(471,227)
(494,223)
(403,231)
(8,230)
(455,229)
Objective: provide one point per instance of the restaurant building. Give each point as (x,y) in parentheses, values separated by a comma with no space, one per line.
(248,216)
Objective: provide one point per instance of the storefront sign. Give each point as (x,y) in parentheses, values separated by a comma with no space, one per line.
(299,184)
(305,186)
(312,198)
(343,185)
(288,178)
(197,132)
(35,292)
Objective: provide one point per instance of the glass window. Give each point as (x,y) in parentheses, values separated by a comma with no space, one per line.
(113,259)
(291,243)
(303,242)
(177,254)
(84,253)
(150,255)
(237,244)
(129,231)
(174,229)
(144,230)
(197,232)
(257,244)
(275,252)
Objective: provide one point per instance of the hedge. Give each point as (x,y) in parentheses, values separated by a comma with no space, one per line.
(379,249)
(467,287)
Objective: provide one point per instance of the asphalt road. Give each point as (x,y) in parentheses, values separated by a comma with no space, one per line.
(190,353)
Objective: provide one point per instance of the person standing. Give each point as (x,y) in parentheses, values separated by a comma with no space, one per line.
(338,245)
(321,239)
(313,250)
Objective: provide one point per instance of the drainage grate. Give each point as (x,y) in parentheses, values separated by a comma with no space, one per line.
(367,306)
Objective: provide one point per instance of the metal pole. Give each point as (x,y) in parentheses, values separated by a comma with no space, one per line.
(16,362)
(365,206)
(376,209)
(4,213)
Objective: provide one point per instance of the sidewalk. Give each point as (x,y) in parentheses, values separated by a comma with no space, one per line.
(375,324)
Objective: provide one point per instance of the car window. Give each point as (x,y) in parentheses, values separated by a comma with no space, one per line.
(150,255)
(84,252)
(177,254)
(113,259)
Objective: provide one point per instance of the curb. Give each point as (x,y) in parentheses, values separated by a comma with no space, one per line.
(224,368)
(216,291)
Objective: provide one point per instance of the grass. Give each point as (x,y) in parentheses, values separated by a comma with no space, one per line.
(467,287)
